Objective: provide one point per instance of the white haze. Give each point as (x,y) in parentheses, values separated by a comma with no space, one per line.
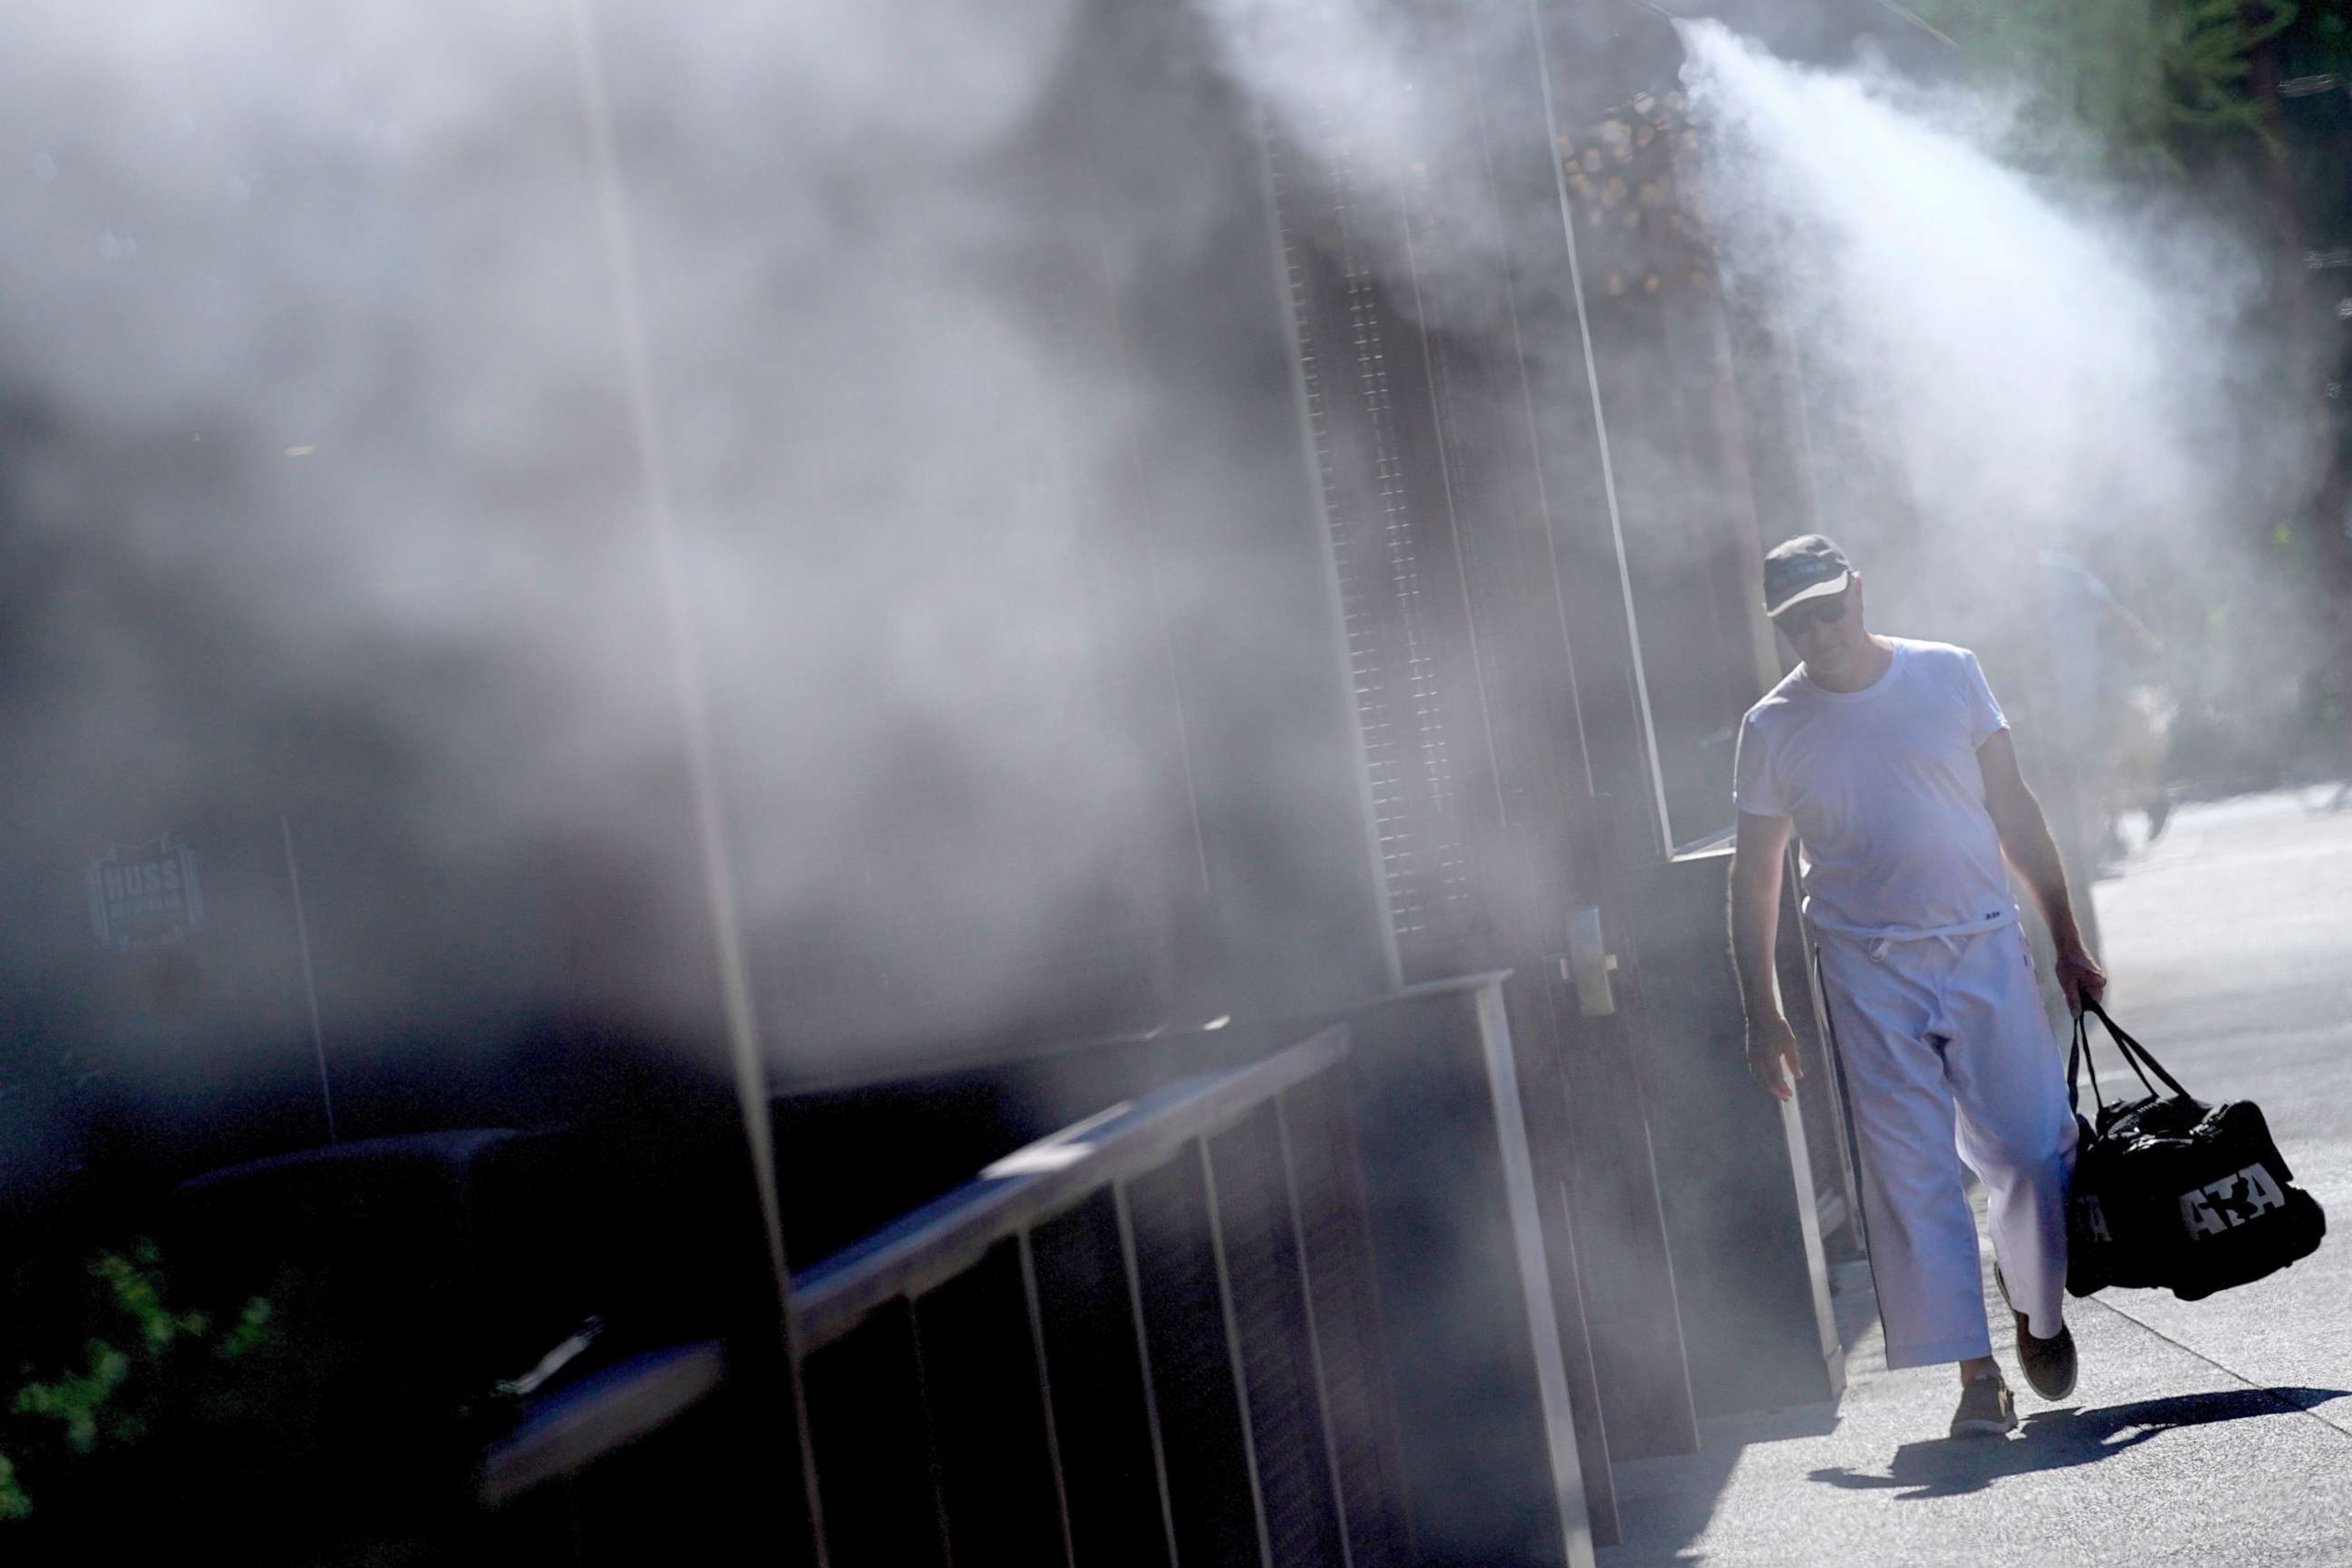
(322,491)
(368,234)
(1984,363)
(2019,364)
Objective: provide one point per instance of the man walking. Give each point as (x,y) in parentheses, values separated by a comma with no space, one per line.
(1892,763)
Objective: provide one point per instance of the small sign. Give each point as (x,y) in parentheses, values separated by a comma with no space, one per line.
(145,895)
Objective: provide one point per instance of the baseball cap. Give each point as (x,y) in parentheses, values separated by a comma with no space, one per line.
(1806,567)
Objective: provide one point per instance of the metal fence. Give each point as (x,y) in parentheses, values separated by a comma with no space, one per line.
(1155,1337)
(1148,1338)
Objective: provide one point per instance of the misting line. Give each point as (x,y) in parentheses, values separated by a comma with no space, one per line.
(1600,428)
(725,913)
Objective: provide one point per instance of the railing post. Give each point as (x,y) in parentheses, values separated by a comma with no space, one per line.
(1046,1394)
(1234,1346)
(1143,1359)
(1314,1336)
(1491,1475)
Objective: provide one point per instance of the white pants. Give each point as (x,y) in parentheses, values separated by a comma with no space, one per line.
(1945,1046)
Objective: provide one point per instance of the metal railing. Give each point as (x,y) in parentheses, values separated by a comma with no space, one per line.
(1156,1337)
(1147,1339)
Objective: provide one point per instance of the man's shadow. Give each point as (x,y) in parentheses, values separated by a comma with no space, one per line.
(2061,1440)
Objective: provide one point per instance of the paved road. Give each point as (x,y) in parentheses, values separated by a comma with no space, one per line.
(2201,1433)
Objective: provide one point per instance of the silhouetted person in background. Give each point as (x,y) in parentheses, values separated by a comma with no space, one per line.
(1893,766)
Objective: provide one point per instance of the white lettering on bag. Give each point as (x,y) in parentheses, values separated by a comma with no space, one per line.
(2209,1210)
(2198,1216)
(2261,1191)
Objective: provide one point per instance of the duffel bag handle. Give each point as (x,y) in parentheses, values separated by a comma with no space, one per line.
(2078,1054)
(2132,1047)
(2132,1052)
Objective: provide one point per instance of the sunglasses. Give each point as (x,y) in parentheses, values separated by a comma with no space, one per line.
(1798,618)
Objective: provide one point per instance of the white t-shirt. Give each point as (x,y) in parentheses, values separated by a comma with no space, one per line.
(1884,789)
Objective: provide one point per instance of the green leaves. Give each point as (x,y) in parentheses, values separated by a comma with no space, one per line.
(2149,79)
(78,1399)
(137,1290)
(14,1503)
(254,1331)
(2207,48)
(140,1368)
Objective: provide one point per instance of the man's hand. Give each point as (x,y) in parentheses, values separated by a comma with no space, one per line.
(2080,977)
(1772,1055)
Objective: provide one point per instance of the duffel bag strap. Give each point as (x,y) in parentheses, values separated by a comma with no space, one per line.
(2132,1052)
(2078,1055)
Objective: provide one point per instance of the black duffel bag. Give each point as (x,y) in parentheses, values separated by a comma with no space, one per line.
(2174,1194)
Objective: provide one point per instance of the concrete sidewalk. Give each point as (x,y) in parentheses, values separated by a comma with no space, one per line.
(2209,1432)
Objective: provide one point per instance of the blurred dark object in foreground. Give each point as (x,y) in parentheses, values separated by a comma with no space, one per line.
(404,1291)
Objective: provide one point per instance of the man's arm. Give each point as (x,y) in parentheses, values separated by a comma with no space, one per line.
(2025,839)
(1758,851)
